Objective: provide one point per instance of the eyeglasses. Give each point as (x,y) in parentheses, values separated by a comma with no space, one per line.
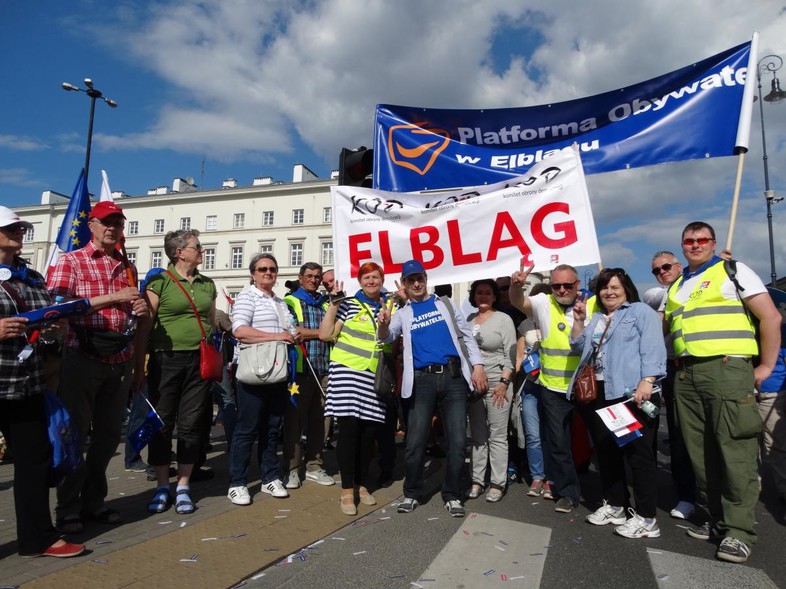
(702,241)
(196,246)
(263,269)
(14,227)
(112,222)
(563,285)
(664,268)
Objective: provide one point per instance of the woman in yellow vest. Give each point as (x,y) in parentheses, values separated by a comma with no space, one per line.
(351,324)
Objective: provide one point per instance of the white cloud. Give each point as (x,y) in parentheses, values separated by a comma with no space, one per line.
(22,143)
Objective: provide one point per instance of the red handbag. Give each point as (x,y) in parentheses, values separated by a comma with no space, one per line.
(585,386)
(210,360)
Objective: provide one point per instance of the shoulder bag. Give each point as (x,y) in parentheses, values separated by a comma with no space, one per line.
(210,361)
(265,362)
(473,395)
(585,386)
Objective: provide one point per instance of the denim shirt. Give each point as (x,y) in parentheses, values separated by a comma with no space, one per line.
(633,348)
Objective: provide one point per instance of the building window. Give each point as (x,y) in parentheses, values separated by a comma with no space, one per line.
(233,294)
(209,258)
(133,227)
(239,221)
(158,226)
(211,223)
(327,215)
(155,260)
(237,256)
(185,223)
(297,216)
(295,254)
(267,219)
(266,248)
(132,257)
(29,235)
(327,253)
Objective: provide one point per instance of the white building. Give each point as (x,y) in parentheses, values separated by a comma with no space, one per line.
(292,221)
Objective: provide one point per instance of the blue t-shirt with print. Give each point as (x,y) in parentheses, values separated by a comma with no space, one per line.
(431,341)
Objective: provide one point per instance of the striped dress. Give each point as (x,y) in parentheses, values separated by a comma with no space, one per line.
(351,392)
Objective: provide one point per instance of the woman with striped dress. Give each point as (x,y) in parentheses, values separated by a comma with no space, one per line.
(351,324)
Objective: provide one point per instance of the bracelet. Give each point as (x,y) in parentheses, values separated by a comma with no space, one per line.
(647,379)
(505,381)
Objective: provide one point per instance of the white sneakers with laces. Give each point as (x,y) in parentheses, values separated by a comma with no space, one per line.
(638,527)
(275,488)
(607,514)
(239,495)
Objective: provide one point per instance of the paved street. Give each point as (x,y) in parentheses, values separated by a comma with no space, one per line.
(518,541)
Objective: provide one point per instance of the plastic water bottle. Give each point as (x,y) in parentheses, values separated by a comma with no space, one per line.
(129,327)
(649,408)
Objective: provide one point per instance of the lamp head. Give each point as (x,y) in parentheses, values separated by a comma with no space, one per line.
(89,83)
(776,94)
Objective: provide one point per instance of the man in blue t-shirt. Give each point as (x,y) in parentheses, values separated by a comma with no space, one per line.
(441,363)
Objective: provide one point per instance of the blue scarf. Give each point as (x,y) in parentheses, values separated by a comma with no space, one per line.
(23,274)
(314,300)
(361,296)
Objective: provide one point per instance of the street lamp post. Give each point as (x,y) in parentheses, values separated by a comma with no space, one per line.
(771,64)
(94,94)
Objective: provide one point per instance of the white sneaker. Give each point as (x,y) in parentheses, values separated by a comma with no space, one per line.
(293,482)
(239,495)
(683,510)
(320,476)
(638,527)
(607,514)
(275,488)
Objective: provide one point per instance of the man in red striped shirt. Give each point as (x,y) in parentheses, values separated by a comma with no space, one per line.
(96,371)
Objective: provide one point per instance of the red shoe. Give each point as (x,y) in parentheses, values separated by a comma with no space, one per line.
(67,550)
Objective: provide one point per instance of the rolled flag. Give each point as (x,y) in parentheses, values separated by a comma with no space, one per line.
(141,437)
(293,388)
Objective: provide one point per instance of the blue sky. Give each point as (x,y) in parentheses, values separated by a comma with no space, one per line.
(244,88)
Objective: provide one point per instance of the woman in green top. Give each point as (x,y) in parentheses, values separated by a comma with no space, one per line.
(176,388)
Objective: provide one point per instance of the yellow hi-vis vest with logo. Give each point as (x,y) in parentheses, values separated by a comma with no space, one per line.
(557,361)
(296,305)
(709,324)
(357,346)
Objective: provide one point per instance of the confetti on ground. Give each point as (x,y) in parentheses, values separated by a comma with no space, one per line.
(285,510)
(337,538)
(103,542)
(426,580)
(503,542)
(121,493)
(503,577)
(259,576)
(315,544)
(431,519)
(663,577)
(466,532)
(271,549)
(280,516)
(113,478)
(192,559)
(388,517)
(183,524)
(535,502)
(576,540)
(208,539)
(514,578)
(356,553)
(99,561)
(549,546)
(489,572)
(165,523)
(486,534)
(536,554)
(500,548)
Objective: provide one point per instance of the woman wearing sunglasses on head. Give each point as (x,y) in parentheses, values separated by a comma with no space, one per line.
(624,339)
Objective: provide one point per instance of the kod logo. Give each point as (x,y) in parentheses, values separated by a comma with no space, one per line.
(415,147)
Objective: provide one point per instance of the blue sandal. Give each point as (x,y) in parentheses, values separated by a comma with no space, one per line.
(184,505)
(162,500)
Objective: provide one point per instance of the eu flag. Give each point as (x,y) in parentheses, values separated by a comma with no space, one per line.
(74,232)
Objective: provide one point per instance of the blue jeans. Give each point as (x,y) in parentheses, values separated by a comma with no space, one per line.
(260,414)
(432,391)
(530,416)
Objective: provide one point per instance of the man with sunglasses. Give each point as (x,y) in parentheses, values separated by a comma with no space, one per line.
(709,315)
(553,314)
(96,368)
(666,268)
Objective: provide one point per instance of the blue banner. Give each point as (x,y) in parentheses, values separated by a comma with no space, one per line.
(692,113)
(74,232)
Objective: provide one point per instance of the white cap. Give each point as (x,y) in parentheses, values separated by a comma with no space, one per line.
(655,297)
(9,217)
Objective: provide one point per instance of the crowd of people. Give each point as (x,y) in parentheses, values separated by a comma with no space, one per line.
(706,344)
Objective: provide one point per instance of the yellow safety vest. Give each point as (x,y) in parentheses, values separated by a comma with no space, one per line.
(709,324)
(296,305)
(557,361)
(357,346)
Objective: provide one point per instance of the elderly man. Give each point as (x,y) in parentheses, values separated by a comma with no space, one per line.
(709,315)
(95,375)
(666,268)
(308,308)
(437,373)
(553,314)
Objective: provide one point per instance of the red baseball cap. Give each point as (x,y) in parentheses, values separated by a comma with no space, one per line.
(105,208)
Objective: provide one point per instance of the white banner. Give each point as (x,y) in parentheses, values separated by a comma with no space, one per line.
(542,217)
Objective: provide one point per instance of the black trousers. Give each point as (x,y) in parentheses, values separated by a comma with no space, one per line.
(355,445)
(24,425)
(639,455)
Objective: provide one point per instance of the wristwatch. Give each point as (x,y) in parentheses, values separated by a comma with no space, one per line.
(505,381)
(649,380)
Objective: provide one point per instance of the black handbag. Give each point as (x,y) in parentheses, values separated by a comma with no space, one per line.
(385,378)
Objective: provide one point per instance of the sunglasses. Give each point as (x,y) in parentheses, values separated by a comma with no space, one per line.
(702,241)
(563,285)
(263,269)
(664,268)
(197,247)
(112,222)
(14,227)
